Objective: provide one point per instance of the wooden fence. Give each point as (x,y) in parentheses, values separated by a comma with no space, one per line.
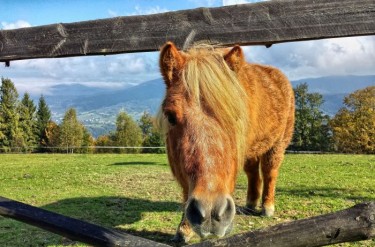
(264,23)
(353,224)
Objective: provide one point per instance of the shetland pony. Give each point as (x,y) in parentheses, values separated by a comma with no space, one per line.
(220,115)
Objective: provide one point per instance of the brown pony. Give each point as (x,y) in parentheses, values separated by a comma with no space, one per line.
(222,114)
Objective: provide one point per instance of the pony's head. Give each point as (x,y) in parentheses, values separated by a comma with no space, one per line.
(205,121)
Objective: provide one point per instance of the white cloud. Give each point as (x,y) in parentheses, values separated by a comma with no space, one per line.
(341,56)
(112,13)
(14,25)
(37,75)
(147,11)
(131,64)
(205,3)
(139,11)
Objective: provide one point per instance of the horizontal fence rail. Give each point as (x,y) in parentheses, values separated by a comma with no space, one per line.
(263,23)
(113,149)
(71,228)
(352,224)
(82,149)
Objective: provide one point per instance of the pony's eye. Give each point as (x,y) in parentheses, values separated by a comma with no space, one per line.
(171,119)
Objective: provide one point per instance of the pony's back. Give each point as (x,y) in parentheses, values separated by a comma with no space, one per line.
(270,107)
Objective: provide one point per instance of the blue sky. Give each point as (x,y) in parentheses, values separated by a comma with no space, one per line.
(41,12)
(341,56)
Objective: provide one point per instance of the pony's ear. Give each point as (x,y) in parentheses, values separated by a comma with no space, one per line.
(171,62)
(235,58)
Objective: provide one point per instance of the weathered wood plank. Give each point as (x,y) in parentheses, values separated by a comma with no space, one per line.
(353,224)
(249,24)
(71,228)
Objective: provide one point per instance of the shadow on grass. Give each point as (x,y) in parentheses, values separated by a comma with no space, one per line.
(112,212)
(328,192)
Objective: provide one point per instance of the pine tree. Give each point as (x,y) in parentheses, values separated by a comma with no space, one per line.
(43,118)
(354,125)
(71,131)
(27,121)
(10,132)
(127,134)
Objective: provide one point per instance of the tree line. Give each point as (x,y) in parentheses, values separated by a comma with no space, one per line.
(351,130)
(25,127)
(29,128)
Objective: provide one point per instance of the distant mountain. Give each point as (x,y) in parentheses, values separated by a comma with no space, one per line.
(337,84)
(147,91)
(76,90)
(98,107)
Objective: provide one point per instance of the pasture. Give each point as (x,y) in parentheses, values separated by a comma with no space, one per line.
(137,193)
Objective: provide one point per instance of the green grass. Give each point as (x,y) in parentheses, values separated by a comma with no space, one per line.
(137,193)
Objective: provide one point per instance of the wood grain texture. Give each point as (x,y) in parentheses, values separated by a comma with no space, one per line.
(353,224)
(261,23)
(71,228)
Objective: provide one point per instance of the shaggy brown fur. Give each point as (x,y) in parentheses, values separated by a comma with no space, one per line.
(223,114)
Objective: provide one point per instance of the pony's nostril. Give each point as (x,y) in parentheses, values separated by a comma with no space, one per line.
(224,211)
(195,212)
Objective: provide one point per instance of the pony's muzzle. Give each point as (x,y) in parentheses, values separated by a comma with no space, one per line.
(211,218)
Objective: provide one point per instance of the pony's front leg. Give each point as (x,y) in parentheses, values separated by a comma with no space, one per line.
(254,186)
(271,162)
(184,231)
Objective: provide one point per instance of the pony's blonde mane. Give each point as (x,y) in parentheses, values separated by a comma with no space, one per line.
(211,83)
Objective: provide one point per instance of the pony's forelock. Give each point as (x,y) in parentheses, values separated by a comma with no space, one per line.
(212,84)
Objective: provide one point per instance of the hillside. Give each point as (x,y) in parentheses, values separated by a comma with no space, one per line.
(98,107)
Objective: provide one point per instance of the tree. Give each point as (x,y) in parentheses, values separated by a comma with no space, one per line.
(43,118)
(10,132)
(152,137)
(146,124)
(127,134)
(312,131)
(104,141)
(51,136)
(27,121)
(87,141)
(155,139)
(354,125)
(71,131)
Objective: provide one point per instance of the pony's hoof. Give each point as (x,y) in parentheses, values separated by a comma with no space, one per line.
(268,211)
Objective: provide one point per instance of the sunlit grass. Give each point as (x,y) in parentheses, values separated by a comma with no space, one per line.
(137,193)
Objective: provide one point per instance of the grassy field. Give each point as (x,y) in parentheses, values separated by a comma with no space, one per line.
(137,193)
